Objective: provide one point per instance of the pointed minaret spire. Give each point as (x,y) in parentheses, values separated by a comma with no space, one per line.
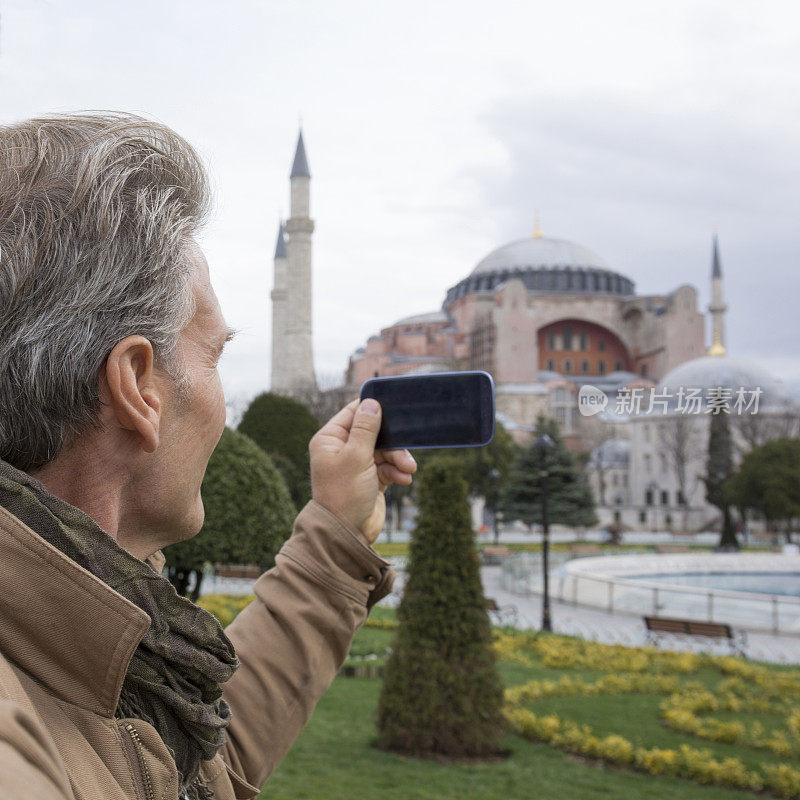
(298,377)
(717,307)
(300,165)
(280,245)
(716,269)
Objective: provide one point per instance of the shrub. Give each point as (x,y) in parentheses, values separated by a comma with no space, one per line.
(249,513)
(283,427)
(441,692)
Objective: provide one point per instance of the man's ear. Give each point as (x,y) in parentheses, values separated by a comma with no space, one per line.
(133,390)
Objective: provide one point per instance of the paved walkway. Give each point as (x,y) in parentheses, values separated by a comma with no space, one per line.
(587,623)
(621,628)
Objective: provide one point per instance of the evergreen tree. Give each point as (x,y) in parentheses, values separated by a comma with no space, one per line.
(476,463)
(249,513)
(768,481)
(282,428)
(485,469)
(719,467)
(441,691)
(569,496)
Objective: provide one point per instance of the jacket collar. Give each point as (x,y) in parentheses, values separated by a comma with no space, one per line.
(62,625)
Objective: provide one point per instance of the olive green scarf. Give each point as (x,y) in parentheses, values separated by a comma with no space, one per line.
(174,679)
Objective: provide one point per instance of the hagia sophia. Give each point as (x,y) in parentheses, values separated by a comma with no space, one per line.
(546,317)
(543,316)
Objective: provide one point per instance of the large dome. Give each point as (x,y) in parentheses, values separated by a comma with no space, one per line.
(544,265)
(539,251)
(711,372)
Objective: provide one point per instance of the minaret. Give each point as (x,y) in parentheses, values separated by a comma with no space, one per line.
(717,307)
(279,382)
(299,357)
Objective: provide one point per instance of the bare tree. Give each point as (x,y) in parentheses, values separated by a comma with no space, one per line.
(593,434)
(680,439)
(753,430)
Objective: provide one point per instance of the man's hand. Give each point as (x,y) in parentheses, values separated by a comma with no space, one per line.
(348,476)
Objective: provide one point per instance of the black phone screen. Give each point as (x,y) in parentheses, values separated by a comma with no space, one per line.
(453,409)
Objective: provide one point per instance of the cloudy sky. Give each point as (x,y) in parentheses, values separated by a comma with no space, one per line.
(436,130)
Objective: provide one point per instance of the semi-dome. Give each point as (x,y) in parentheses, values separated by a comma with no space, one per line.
(711,372)
(424,319)
(544,265)
(539,251)
(611,453)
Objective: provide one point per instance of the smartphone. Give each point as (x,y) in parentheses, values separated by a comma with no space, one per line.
(444,409)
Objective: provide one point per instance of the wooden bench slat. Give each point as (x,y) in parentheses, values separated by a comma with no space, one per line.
(690,627)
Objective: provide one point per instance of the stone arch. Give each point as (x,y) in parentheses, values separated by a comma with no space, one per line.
(575,346)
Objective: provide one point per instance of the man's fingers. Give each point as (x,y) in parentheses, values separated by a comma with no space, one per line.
(388,473)
(402,459)
(365,427)
(338,427)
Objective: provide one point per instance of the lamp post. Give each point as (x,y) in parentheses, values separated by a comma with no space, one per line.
(494,477)
(544,444)
(653,490)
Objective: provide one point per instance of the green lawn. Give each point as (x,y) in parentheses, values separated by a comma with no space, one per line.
(334,757)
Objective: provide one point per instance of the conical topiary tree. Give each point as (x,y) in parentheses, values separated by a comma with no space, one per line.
(442,694)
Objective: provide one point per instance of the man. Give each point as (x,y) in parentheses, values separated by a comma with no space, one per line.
(111,685)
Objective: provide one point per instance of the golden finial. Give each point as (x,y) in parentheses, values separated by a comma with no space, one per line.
(717,348)
(537,231)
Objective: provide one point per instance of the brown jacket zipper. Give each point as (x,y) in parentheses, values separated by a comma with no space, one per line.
(142,774)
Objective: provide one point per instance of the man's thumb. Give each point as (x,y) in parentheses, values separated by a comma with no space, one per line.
(366,424)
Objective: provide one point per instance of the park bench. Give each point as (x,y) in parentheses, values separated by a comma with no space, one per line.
(580,550)
(494,554)
(672,548)
(501,615)
(237,571)
(658,627)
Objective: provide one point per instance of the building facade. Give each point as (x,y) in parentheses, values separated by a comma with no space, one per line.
(650,472)
(543,316)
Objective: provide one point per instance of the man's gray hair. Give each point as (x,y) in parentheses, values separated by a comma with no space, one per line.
(96,213)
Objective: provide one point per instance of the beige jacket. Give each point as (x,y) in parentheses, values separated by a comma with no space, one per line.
(66,640)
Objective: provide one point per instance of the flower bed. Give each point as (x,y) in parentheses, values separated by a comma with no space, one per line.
(745,688)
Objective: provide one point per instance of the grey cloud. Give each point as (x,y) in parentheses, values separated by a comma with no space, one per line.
(644,189)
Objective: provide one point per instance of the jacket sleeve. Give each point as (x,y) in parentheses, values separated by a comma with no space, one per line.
(293,638)
(30,766)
